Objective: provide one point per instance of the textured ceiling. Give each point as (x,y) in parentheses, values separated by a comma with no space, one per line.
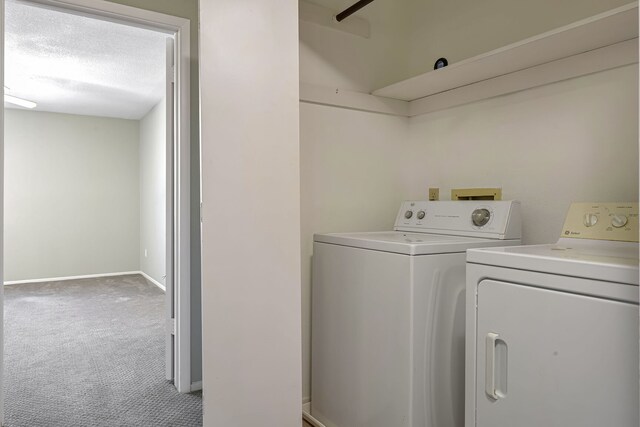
(79,65)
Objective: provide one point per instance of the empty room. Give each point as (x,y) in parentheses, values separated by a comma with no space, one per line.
(87,224)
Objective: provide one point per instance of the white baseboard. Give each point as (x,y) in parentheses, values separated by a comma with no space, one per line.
(60,279)
(306,414)
(196,386)
(154,281)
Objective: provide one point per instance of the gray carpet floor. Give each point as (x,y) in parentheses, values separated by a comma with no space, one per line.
(90,352)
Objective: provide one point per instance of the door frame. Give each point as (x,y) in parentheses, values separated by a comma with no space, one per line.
(2,216)
(180,29)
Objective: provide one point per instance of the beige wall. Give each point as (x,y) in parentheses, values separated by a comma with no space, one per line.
(342,60)
(407,37)
(251,213)
(349,162)
(153,193)
(71,195)
(462,29)
(575,140)
(549,146)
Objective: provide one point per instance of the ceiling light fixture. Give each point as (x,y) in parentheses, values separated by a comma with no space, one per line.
(18,101)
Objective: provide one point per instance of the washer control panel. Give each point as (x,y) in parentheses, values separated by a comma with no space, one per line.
(470,218)
(602,221)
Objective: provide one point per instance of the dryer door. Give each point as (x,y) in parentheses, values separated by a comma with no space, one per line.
(549,358)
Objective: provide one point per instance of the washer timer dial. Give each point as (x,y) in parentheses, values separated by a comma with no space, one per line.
(619,221)
(480,217)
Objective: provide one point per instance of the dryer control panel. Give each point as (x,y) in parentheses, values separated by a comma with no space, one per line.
(474,218)
(602,221)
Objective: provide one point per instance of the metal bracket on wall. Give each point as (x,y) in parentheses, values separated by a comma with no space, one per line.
(171,326)
(352,9)
(320,15)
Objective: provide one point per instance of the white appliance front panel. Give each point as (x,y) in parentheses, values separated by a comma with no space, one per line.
(438,341)
(387,338)
(562,359)
(360,337)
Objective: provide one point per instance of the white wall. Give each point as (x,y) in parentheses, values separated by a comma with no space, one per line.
(342,60)
(575,140)
(251,213)
(407,37)
(349,159)
(71,195)
(570,141)
(153,188)
(349,163)
(462,29)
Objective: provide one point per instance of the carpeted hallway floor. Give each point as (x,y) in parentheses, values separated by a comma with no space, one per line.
(90,352)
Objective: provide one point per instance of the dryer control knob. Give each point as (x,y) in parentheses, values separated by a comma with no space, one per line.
(619,221)
(408,214)
(590,219)
(480,217)
(421,214)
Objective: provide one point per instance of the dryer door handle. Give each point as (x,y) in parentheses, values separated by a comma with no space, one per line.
(495,384)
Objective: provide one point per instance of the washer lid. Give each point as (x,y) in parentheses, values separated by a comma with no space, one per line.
(598,260)
(407,243)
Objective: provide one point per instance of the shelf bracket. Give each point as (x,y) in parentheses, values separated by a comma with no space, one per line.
(352,9)
(320,15)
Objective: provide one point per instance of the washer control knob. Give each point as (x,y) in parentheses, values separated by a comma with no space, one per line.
(421,214)
(619,221)
(480,217)
(590,219)
(408,214)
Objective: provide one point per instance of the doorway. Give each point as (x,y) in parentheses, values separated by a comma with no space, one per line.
(177,272)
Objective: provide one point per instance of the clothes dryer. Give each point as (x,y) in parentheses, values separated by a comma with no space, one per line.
(388,314)
(552,330)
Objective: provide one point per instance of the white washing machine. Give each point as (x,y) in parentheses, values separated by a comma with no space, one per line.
(552,330)
(388,315)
